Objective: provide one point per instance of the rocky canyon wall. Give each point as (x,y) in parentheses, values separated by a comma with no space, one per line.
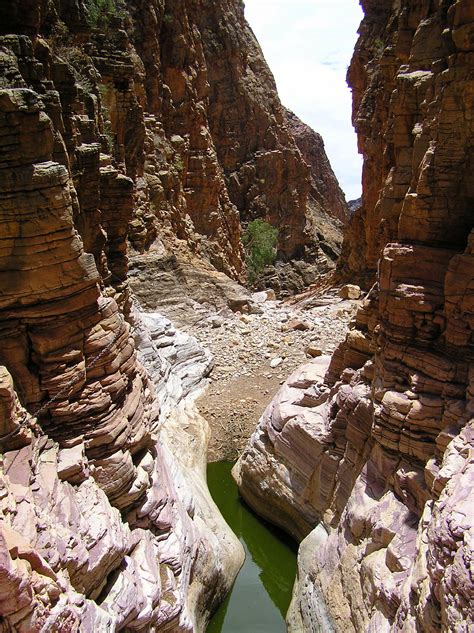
(369,455)
(180,97)
(103,527)
(106,520)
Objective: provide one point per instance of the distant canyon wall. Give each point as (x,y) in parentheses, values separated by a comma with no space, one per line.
(375,449)
(182,98)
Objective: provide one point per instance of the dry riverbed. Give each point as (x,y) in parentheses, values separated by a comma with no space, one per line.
(254,354)
(255,348)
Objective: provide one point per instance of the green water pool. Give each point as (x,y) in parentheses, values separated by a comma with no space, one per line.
(261,594)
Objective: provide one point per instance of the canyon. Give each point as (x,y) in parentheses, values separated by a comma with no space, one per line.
(138,140)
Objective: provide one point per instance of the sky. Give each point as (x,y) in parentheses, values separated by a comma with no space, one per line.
(308,45)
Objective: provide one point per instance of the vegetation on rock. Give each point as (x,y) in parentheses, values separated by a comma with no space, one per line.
(259,240)
(100,11)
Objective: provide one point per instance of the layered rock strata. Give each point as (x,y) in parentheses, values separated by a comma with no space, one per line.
(377,451)
(182,99)
(325,192)
(265,174)
(410,77)
(327,214)
(72,561)
(105,524)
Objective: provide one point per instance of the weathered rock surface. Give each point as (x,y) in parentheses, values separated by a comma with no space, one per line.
(153,566)
(188,109)
(377,453)
(325,191)
(217,103)
(106,525)
(411,78)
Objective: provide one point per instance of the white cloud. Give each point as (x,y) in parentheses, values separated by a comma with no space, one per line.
(308,45)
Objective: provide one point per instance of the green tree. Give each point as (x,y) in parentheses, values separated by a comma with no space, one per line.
(259,240)
(99,12)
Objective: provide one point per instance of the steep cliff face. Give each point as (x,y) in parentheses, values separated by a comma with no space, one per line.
(325,193)
(212,81)
(264,171)
(181,97)
(378,448)
(410,77)
(106,520)
(96,531)
(326,201)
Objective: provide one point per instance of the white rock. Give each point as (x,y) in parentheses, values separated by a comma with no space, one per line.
(217,322)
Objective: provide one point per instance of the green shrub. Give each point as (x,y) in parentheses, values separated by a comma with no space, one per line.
(259,240)
(377,47)
(80,65)
(178,163)
(57,33)
(99,12)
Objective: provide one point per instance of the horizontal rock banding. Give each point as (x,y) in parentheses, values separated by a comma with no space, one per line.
(394,411)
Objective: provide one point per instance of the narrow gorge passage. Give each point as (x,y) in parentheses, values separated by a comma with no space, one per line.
(140,140)
(255,352)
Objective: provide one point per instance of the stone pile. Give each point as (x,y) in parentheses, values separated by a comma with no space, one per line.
(271,330)
(254,350)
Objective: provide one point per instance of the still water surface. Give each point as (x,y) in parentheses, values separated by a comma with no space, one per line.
(261,594)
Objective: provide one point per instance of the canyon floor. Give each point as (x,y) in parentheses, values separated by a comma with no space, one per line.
(255,352)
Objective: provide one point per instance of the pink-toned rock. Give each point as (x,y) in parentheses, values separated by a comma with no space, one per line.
(381,458)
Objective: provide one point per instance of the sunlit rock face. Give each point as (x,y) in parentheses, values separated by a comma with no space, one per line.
(379,449)
(219,151)
(411,83)
(325,193)
(106,519)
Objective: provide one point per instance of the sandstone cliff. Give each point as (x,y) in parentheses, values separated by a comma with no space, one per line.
(103,528)
(106,520)
(123,124)
(377,449)
(181,97)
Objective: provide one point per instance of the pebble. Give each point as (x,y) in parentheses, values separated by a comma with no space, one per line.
(249,344)
(313,350)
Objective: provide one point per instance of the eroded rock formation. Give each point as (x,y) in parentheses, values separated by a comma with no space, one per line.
(181,97)
(326,196)
(73,559)
(155,125)
(106,520)
(378,449)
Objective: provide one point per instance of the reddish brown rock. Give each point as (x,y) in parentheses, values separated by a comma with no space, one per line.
(81,467)
(379,456)
(225,139)
(326,197)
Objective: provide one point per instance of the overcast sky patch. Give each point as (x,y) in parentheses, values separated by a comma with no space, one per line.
(308,45)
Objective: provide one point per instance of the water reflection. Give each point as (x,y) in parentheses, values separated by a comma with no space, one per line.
(262,592)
